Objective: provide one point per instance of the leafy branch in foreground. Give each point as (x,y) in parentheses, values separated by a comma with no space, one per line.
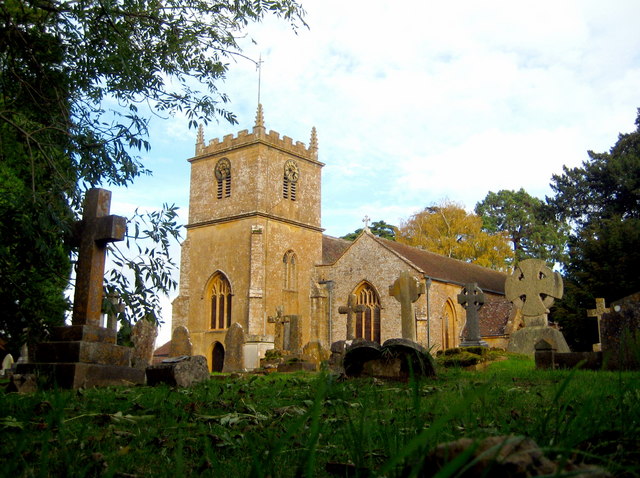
(143,268)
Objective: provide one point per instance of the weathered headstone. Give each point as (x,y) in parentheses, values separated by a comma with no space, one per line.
(406,290)
(234,349)
(294,343)
(396,359)
(7,364)
(350,309)
(621,334)
(182,371)
(597,313)
(532,288)
(180,342)
(472,298)
(280,341)
(314,353)
(85,354)
(143,336)
(24,354)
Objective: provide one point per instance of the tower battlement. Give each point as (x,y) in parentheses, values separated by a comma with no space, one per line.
(258,135)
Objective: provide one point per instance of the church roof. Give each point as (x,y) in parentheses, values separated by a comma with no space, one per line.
(446,269)
(333,248)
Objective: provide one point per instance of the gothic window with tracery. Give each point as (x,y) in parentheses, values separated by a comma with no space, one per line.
(368,321)
(223,177)
(220,302)
(290,180)
(290,263)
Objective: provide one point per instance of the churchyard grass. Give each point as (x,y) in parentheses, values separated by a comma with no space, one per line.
(319,425)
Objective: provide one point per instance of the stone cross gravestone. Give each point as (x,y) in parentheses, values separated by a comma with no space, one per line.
(532,288)
(234,342)
(180,342)
(598,312)
(95,231)
(349,309)
(85,354)
(472,299)
(406,290)
(143,336)
(282,338)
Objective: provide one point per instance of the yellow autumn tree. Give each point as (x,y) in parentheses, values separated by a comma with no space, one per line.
(446,228)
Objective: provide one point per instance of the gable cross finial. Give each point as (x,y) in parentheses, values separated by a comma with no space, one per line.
(366,219)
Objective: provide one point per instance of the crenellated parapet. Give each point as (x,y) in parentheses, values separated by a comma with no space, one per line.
(258,135)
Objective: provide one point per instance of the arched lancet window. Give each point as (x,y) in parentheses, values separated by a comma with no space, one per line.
(449,329)
(220,302)
(290,264)
(290,180)
(368,322)
(223,177)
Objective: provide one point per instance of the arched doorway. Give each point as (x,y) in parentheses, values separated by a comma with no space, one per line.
(449,328)
(368,322)
(217,357)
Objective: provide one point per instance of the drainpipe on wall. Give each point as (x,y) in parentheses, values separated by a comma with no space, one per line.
(427,283)
(329,284)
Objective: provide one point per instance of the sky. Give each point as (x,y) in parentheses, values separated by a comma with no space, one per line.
(419,101)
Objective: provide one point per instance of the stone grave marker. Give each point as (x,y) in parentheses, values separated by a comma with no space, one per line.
(532,288)
(117,308)
(598,312)
(234,349)
(287,331)
(406,290)
(7,364)
(396,359)
(85,354)
(183,371)
(180,342)
(621,334)
(143,336)
(350,309)
(472,299)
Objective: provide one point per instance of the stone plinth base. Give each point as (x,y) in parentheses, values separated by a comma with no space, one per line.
(523,341)
(474,343)
(255,347)
(83,356)
(83,375)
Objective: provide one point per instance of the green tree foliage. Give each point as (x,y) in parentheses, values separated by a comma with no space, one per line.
(448,229)
(72,78)
(601,199)
(529,222)
(378,228)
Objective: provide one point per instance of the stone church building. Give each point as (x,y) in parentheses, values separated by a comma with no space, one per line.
(255,253)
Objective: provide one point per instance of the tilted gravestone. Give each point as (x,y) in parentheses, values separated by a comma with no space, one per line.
(234,349)
(532,288)
(598,312)
(180,342)
(143,336)
(85,354)
(472,298)
(406,289)
(350,309)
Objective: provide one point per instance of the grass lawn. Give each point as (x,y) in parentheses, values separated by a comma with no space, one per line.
(294,424)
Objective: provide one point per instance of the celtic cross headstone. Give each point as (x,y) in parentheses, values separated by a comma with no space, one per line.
(472,299)
(532,288)
(281,339)
(406,290)
(349,309)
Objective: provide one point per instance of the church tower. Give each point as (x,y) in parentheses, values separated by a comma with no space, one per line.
(253,239)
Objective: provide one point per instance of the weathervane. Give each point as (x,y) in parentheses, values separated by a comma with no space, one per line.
(259,68)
